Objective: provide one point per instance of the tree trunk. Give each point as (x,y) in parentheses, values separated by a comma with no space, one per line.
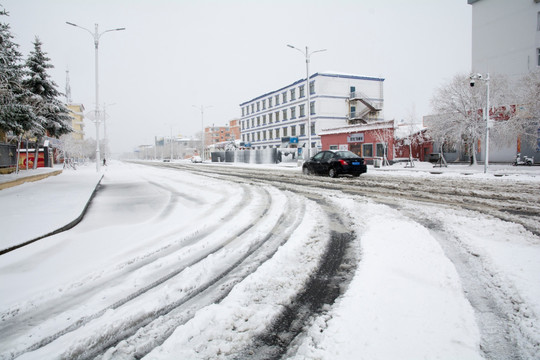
(36,153)
(410,155)
(19,140)
(473,155)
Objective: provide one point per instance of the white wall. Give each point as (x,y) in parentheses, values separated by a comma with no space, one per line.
(505,36)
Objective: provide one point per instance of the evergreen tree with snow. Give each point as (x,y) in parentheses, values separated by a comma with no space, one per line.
(16,115)
(51,114)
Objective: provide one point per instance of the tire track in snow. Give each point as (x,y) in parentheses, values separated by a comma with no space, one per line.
(276,233)
(132,265)
(500,314)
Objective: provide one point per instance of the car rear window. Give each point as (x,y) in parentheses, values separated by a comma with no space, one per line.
(346,154)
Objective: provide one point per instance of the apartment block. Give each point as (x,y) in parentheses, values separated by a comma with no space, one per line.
(279,118)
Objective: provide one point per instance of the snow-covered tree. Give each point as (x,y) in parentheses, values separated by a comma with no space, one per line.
(51,114)
(522,118)
(16,114)
(385,135)
(460,111)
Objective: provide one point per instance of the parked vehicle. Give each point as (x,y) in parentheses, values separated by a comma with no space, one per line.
(196,159)
(526,160)
(334,164)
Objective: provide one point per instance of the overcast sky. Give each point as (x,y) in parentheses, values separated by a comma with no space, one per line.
(178,53)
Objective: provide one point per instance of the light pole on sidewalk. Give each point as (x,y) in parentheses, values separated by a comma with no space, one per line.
(487,116)
(201,108)
(307,55)
(96,35)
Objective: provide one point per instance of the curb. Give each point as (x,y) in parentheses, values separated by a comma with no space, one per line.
(59,230)
(31,178)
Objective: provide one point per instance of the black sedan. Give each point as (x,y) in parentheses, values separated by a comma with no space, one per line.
(335,163)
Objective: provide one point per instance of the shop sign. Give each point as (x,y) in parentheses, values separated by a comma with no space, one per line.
(355,138)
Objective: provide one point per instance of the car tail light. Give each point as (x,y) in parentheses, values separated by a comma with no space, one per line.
(343,162)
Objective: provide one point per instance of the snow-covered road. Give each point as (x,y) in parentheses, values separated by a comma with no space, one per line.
(204,262)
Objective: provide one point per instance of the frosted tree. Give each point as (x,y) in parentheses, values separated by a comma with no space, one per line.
(16,114)
(51,114)
(460,111)
(384,136)
(522,118)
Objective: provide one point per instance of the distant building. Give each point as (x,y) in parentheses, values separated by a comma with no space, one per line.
(76,111)
(278,119)
(220,134)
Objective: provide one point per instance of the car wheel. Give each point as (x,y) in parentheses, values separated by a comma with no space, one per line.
(332,173)
(306,171)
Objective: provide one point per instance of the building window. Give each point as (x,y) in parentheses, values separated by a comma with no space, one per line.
(264,135)
(312,128)
(264,104)
(302,129)
(293,113)
(312,87)
(258,136)
(538,22)
(333,147)
(252,108)
(243,110)
(284,97)
(312,108)
(258,106)
(277,133)
(270,118)
(380,149)
(284,114)
(277,100)
(285,131)
(269,102)
(538,55)
(367,150)
(302,110)
(277,116)
(302,91)
(270,134)
(293,94)
(264,119)
(252,122)
(293,130)
(258,121)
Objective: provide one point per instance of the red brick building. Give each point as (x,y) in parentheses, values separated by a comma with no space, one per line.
(219,134)
(367,140)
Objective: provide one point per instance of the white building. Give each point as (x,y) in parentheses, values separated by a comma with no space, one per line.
(279,118)
(506,40)
(505,36)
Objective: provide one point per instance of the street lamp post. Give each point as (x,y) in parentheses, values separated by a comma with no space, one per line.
(105,139)
(201,108)
(307,55)
(487,116)
(96,35)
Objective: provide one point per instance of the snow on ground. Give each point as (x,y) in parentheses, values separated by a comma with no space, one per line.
(405,301)
(34,209)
